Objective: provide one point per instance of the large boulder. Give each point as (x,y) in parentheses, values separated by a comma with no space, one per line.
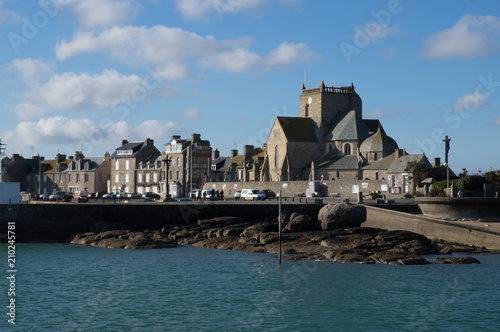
(342,215)
(298,223)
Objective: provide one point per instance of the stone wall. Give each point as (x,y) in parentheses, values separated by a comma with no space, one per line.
(342,187)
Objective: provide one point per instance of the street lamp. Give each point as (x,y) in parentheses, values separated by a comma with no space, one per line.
(2,150)
(167,162)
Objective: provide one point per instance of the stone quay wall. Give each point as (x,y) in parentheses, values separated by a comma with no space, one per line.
(342,188)
(57,222)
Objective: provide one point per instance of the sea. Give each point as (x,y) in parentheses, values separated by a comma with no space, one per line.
(68,287)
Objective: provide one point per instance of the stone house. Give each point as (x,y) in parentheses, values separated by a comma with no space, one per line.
(247,166)
(219,165)
(190,163)
(150,175)
(82,174)
(125,162)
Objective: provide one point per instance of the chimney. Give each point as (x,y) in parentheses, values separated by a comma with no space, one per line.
(15,157)
(247,151)
(234,153)
(176,137)
(399,153)
(216,154)
(196,138)
(150,144)
(124,141)
(79,155)
(437,162)
(60,158)
(107,156)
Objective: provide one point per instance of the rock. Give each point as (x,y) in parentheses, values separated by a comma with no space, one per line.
(298,223)
(342,215)
(218,222)
(124,239)
(457,260)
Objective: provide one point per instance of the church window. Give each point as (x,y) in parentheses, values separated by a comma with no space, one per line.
(306,111)
(376,176)
(375,156)
(329,147)
(276,156)
(347,149)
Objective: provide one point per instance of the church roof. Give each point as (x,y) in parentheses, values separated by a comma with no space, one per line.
(383,164)
(348,128)
(297,129)
(378,142)
(399,165)
(340,162)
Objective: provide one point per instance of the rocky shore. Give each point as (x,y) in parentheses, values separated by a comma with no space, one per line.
(336,235)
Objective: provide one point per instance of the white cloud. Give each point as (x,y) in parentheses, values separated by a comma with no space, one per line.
(102,13)
(70,91)
(496,122)
(204,9)
(191,114)
(68,135)
(472,36)
(469,102)
(32,70)
(172,50)
(374,32)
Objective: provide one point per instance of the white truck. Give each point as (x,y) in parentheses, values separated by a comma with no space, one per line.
(252,195)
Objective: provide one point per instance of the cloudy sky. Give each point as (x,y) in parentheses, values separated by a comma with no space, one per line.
(85,74)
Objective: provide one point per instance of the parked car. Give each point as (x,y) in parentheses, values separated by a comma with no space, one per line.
(151,195)
(237,194)
(268,193)
(134,195)
(45,196)
(206,193)
(80,197)
(251,194)
(61,196)
(109,195)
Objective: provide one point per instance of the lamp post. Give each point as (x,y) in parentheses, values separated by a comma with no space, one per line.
(167,189)
(446,150)
(2,150)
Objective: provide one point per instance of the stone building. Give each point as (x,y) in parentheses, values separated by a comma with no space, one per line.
(328,140)
(125,165)
(190,162)
(247,166)
(81,173)
(150,175)
(219,166)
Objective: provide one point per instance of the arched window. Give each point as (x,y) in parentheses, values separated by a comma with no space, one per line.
(376,176)
(329,147)
(276,156)
(375,156)
(306,110)
(347,149)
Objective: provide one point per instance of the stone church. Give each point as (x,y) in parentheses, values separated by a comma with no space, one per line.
(328,140)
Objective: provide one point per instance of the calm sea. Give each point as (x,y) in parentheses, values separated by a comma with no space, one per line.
(64,287)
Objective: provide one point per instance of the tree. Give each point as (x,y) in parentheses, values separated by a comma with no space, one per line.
(420,172)
(471,182)
(493,177)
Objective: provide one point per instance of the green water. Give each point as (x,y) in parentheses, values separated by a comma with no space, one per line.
(63,287)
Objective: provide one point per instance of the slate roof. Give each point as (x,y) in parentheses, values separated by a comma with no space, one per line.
(378,142)
(349,127)
(134,146)
(399,165)
(297,129)
(340,162)
(221,163)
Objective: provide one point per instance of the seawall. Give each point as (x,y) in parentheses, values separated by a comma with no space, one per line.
(463,207)
(57,222)
(432,228)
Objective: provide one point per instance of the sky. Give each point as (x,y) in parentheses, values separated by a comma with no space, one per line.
(85,74)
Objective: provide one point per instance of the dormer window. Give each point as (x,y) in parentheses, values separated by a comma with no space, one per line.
(86,166)
(124,152)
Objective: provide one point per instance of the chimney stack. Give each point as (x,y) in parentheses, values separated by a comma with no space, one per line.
(247,151)
(216,154)
(196,138)
(234,153)
(60,158)
(107,156)
(124,141)
(437,162)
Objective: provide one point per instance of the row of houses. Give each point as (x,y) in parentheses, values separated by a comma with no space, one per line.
(328,141)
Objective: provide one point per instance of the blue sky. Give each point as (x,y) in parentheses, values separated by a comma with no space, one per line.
(83,75)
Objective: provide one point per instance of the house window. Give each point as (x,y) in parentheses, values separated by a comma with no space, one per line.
(147,177)
(329,147)
(77,178)
(177,174)
(347,149)
(375,156)
(139,179)
(126,178)
(276,156)
(60,178)
(127,164)
(117,178)
(338,174)
(45,178)
(99,177)
(28,178)
(178,161)
(171,175)
(69,178)
(306,111)
(155,177)
(376,176)
(86,177)
(54,178)
(117,165)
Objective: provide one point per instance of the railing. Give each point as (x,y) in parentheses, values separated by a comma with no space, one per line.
(343,90)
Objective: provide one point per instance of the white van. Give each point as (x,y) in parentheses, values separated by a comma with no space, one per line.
(252,194)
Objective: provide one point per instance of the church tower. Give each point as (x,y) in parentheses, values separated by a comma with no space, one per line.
(325,104)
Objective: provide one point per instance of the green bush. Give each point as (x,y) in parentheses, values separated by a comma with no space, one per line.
(437,191)
(471,182)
